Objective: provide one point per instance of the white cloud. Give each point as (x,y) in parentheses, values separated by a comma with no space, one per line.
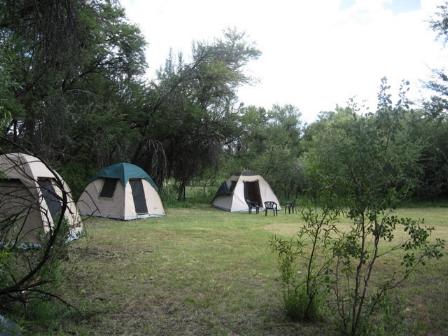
(315,55)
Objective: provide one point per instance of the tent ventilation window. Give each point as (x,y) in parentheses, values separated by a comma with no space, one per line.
(50,196)
(232,187)
(108,188)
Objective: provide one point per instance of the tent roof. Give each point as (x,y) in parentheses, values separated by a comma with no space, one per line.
(124,172)
(245,172)
(23,166)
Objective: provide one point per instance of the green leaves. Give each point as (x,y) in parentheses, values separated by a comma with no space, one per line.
(287,251)
(190,108)
(305,263)
(366,164)
(417,246)
(270,144)
(366,161)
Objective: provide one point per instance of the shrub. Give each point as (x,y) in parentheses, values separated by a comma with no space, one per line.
(304,296)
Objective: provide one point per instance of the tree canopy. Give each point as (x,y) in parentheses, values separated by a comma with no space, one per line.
(72,90)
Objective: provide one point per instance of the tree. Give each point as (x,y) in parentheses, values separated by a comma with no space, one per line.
(75,69)
(433,124)
(304,298)
(432,133)
(438,104)
(190,112)
(367,164)
(270,143)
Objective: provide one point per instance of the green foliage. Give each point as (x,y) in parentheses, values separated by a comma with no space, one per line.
(368,161)
(295,297)
(78,65)
(437,105)
(356,253)
(269,144)
(6,261)
(365,164)
(77,176)
(6,96)
(299,308)
(195,196)
(433,123)
(432,132)
(304,296)
(190,110)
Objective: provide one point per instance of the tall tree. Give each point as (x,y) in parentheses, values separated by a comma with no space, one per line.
(433,124)
(190,112)
(438,105)
(366,164)
(76,70)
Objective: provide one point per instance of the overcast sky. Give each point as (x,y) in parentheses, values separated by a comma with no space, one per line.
(315,53)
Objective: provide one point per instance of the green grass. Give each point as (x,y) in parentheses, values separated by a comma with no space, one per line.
(201,271)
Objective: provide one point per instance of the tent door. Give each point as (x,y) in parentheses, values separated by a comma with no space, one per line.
(252,192)
(139,196)
(52,199)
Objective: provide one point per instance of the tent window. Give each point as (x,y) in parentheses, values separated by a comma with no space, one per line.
(138,194)
(51,198)
(108,188)
(232,187)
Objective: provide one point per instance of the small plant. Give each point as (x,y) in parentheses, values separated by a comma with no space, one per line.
(389,320)
(304,296)
(356,256)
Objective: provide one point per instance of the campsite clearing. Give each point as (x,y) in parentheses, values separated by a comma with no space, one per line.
(203,271)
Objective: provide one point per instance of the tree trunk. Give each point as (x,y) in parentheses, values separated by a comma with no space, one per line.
(181,191)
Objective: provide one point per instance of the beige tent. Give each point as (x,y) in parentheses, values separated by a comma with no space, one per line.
(121,191)
(31,199)
(235,193)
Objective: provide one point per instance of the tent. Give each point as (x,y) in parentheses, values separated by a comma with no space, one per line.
(31,199)
(234,193)
(121,191)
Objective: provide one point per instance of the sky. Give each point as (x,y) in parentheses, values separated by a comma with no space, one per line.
(316,54)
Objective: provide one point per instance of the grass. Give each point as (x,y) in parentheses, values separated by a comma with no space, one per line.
(201,271)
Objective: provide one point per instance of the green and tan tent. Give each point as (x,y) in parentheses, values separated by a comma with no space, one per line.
(235,193)
(121,191)
(31,199)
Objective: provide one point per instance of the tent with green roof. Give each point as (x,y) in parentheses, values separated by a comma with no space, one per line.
(121,191)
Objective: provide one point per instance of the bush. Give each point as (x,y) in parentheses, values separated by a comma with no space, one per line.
(298,307)
(304,296)
(366,164)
